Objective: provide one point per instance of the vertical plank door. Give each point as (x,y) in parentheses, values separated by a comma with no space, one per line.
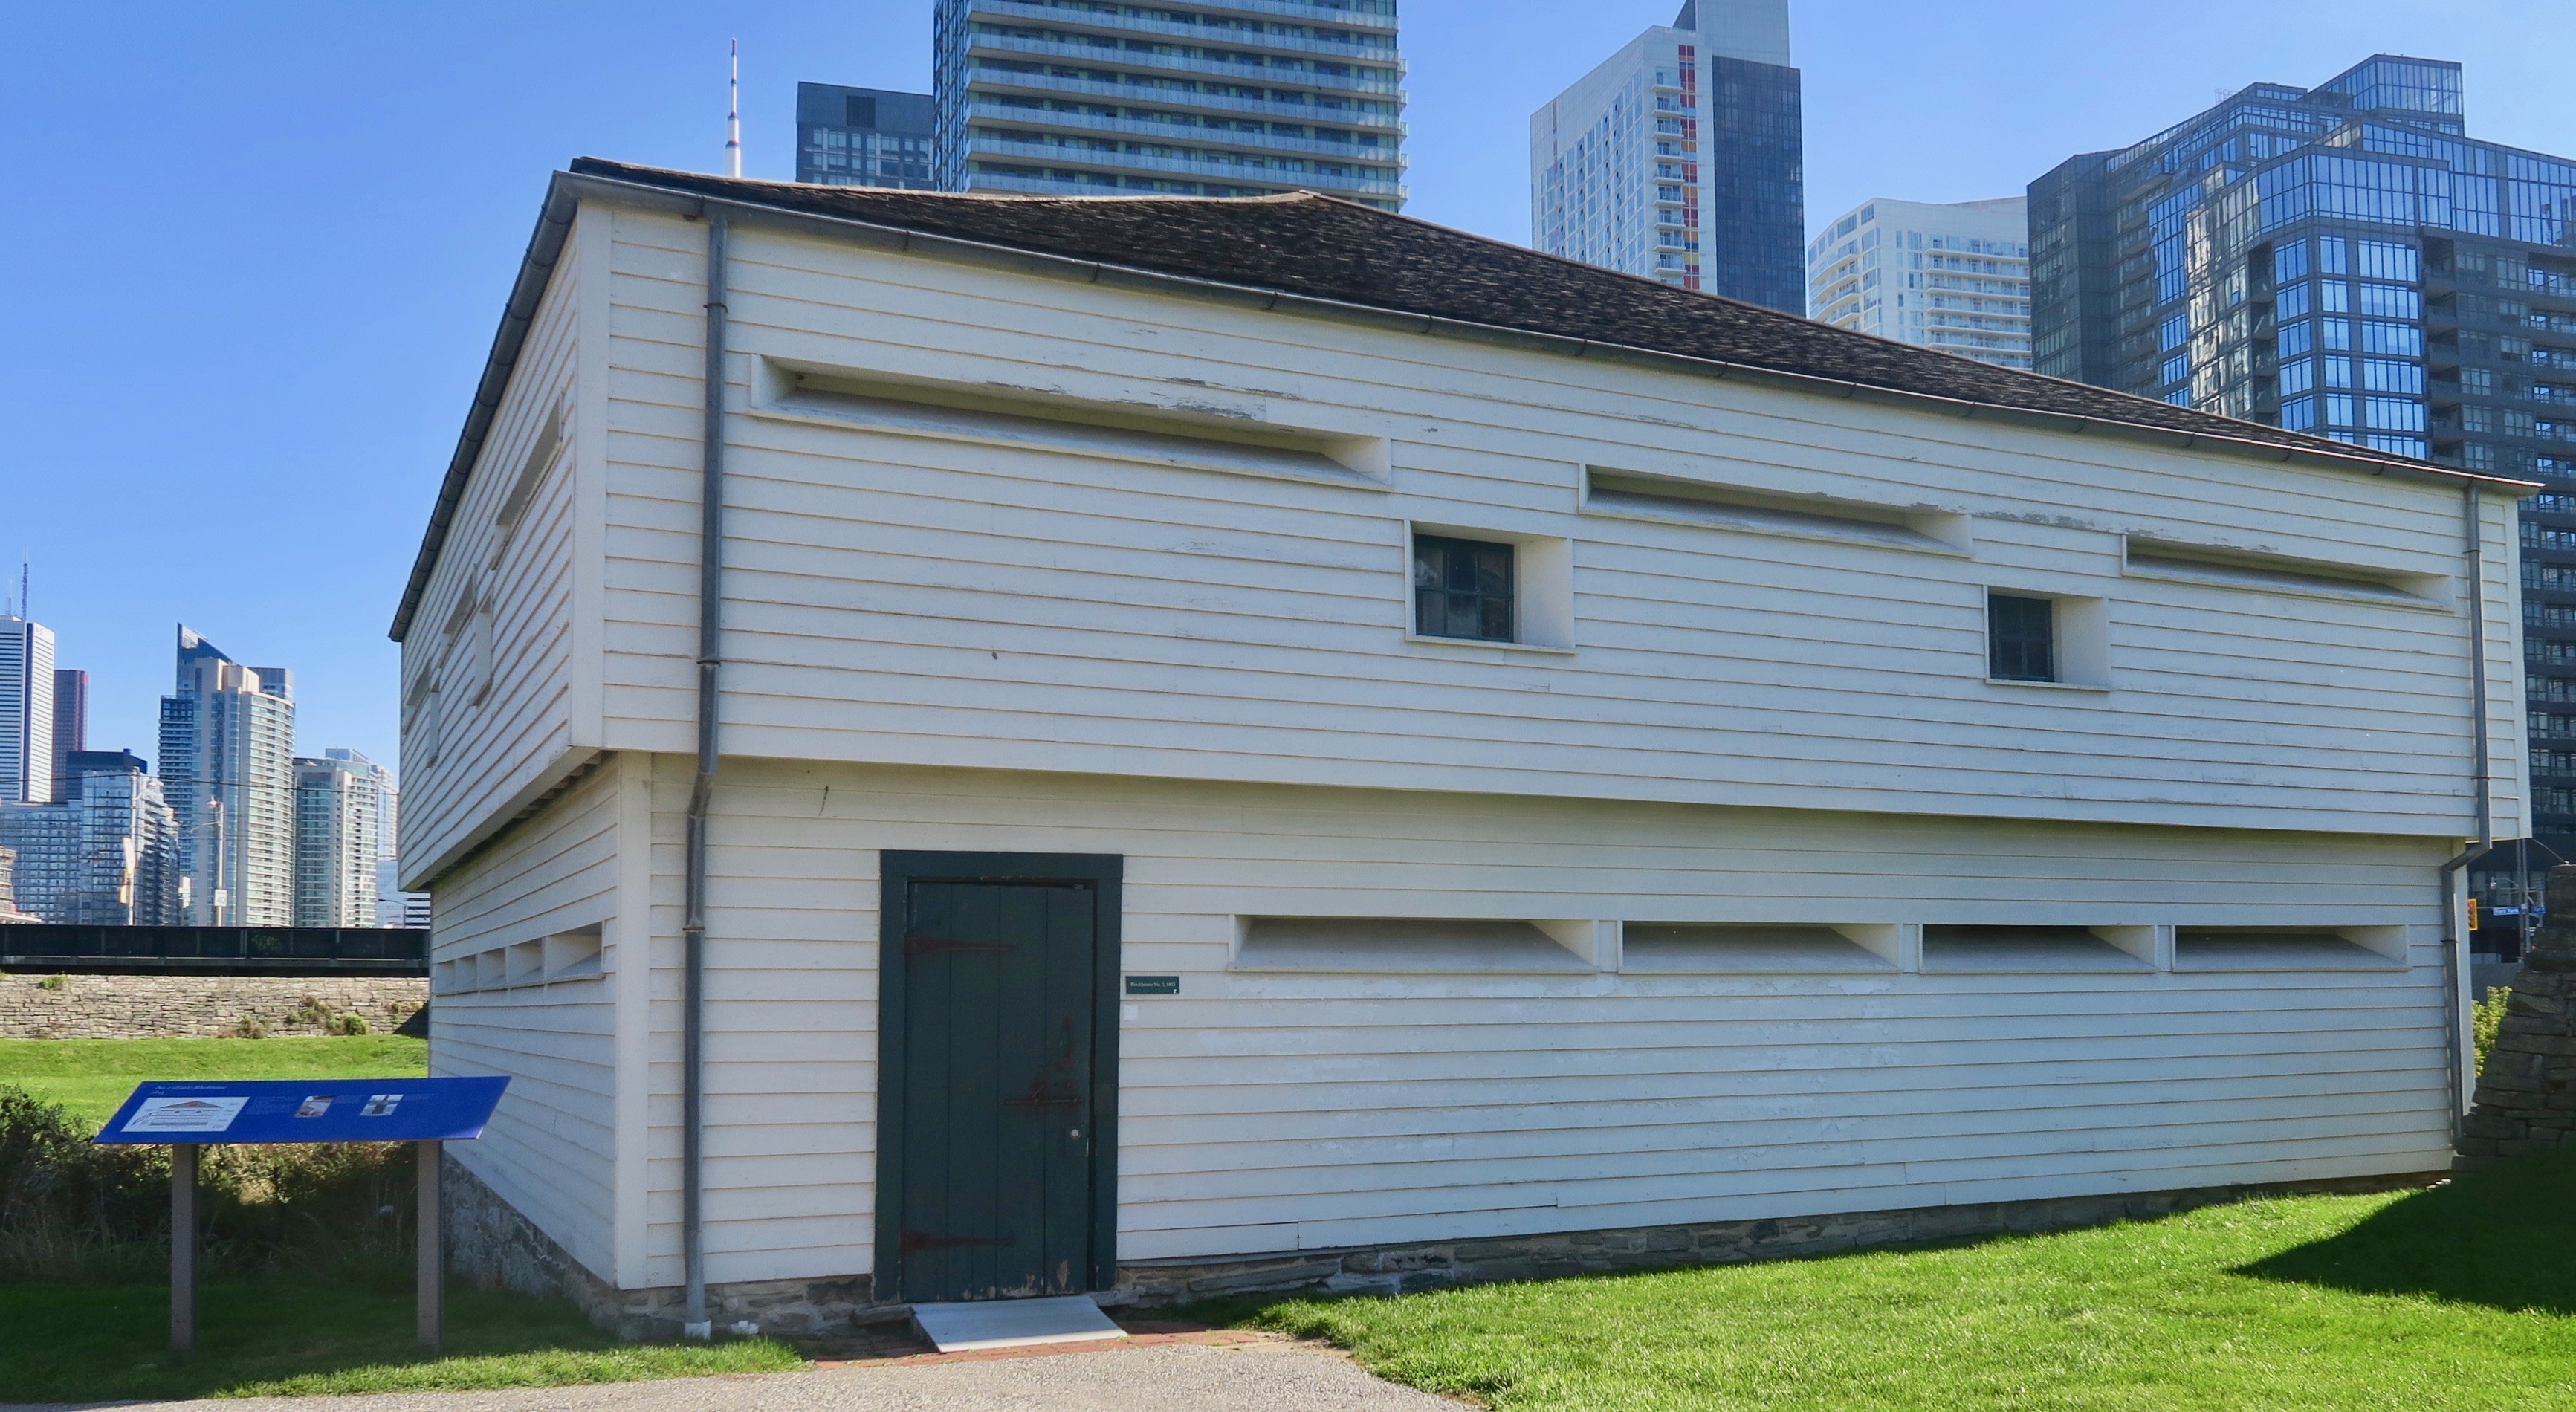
(997,1102)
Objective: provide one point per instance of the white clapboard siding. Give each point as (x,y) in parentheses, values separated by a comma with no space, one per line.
(913,600)
(1269,1111)
(549,1150)
(478,746)
(946,644)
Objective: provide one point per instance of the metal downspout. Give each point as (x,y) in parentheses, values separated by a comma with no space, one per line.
(2455,957)
(693,920)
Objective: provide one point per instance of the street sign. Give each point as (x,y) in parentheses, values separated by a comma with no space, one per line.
(305,1110)
(190,1115)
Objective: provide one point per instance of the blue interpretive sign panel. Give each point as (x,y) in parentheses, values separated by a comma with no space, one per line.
(305,1110)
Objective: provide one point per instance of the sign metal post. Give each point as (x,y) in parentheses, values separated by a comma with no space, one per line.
(433,1265)
(183,1247)
(189,1116)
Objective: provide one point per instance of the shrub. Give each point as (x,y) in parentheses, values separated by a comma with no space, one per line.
(53,982)
(350,1024)
(71,1210)
(251,1027)
(2487,1020)
(66,1203)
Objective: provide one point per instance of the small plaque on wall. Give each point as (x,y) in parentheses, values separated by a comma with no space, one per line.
(1153,985)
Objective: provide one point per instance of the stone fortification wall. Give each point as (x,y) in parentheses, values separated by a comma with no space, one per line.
(178,1007)
(2527,1094)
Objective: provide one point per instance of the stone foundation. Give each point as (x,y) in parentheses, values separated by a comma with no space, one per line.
(2526,1100)
(1404,1269)
(184,1007)
(490,1243)
(495,1247)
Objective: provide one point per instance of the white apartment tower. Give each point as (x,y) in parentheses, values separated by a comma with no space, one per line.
(228,766)
(1680,157)
(1954,277)
(1212,98)
(339,829)
(344,836)
(26,711)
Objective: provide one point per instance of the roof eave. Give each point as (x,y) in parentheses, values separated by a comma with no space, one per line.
(536,272)
(568,189)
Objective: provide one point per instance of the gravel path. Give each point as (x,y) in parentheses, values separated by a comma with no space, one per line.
(1171,1377)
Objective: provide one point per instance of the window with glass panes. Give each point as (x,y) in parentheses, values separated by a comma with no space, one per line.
(2021,638)
(1462,588)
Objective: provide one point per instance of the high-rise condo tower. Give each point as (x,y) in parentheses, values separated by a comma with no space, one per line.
(1680,158)
(26,711)
(1195,98)
(1952,276)
(343,819)
(228,771)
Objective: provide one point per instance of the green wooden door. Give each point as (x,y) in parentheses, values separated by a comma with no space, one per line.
(997,1089)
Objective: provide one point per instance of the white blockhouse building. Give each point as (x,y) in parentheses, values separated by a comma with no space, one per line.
(1263,740)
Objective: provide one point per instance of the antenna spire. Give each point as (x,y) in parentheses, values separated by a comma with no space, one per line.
(733,114)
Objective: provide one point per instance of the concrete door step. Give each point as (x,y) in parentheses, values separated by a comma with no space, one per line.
(1013,1323)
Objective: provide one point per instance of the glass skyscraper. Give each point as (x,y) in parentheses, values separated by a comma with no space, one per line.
(105,853)
(26,711)
(1193,98)
(2346,260)
(1681,158)
(864,137)
(71,722)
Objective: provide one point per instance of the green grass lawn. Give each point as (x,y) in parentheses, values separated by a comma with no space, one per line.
(89,1343)
(335,1328)
(2460,1297)
(90,1077)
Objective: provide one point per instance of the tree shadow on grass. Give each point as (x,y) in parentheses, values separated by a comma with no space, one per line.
(2499,1237)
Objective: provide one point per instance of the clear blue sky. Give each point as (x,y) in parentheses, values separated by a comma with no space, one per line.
(255,254)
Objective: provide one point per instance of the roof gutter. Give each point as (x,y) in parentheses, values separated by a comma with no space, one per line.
(693,899)
(570,188)
(2459,1061)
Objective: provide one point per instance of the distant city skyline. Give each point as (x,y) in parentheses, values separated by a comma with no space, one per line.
(366,334)
(234,829)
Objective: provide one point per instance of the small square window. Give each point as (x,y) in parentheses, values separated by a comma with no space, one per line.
(1462,588)
(2021,638)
